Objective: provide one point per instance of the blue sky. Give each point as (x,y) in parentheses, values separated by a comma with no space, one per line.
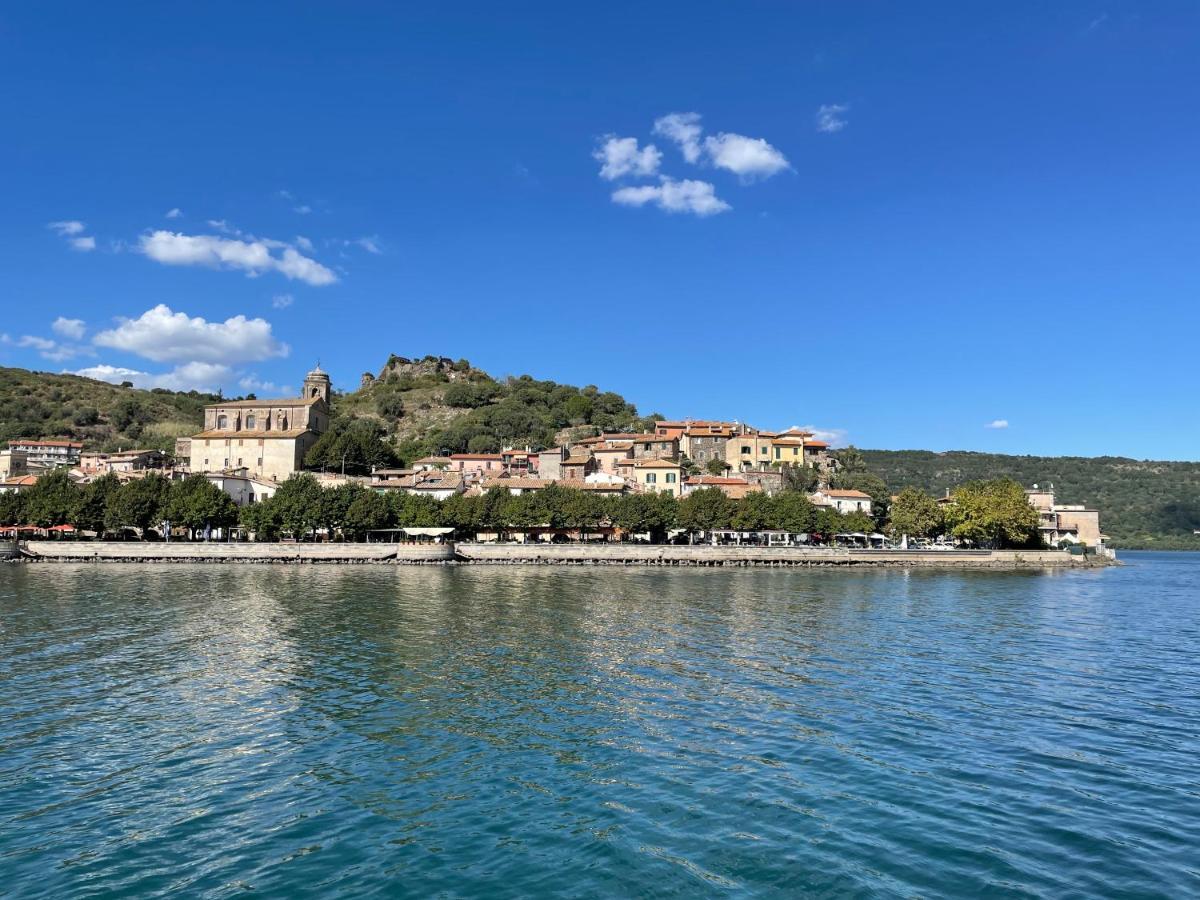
(900,223)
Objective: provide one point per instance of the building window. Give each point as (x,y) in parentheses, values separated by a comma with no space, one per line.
(222,422)
(206,463)
(227,462)
(251,421)
(745,449)
(651,478)
(670,478)
(239,461)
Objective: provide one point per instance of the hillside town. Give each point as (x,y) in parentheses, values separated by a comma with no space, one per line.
(249,448)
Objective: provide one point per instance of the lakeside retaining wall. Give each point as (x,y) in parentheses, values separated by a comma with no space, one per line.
(548,554)
(705,555)
(134,551)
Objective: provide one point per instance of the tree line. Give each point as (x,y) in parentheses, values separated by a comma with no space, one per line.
(987,513)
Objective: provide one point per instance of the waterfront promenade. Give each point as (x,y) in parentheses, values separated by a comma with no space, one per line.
(599,554)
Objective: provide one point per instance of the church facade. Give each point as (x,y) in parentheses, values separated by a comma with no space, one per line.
(267,438)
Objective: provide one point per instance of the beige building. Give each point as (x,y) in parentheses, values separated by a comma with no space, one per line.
(1059,523)
(13,464)
(658,476)
(267,438)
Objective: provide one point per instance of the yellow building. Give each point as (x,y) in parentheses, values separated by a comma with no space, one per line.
(267,438)
(659,476)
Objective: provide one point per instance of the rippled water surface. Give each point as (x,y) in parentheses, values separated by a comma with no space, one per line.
(303,731)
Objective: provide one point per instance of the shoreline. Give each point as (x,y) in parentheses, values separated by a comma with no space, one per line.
(596,554)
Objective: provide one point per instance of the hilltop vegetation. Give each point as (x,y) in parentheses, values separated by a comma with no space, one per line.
(1143,504)
(102,415)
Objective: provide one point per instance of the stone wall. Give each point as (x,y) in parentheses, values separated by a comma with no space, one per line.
(656,555)
(136,551)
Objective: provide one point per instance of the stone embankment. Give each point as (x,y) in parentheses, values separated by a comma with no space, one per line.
(136,551)
(550,554)
(704,555)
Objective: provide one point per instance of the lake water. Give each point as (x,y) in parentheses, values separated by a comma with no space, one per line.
(492,732)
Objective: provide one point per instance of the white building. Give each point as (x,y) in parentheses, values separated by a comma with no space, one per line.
(843,501)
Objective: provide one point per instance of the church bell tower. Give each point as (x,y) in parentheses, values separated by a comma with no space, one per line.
(316,384)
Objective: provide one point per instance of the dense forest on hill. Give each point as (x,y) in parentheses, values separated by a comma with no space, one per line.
(1143,504)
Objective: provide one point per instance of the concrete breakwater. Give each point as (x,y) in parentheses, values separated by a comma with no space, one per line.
(549,554)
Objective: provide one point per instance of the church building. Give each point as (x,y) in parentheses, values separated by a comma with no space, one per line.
(267,438)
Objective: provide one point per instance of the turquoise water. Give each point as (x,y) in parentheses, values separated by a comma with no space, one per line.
(492,732)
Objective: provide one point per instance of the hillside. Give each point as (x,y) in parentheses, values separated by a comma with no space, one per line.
(104,416)
(1143,504)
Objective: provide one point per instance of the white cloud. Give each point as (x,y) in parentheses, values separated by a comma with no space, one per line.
(834,436)
(67,228)
(744,156)
(192,376)
(252,382)
(684,129)
(174,213)
(251,256)
(83,244)
(282,301)
(304,209)
(370,244)
(997,423)
(47,348)
(69,328)
(165,336)
(687,196)
(621,157)
(304,243)
(830,117)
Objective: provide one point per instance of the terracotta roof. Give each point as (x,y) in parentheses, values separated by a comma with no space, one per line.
(525,483)
(713,479)
(836,493)
(22,481)
(612,448)
(23,443)
(655,464)
(577,460)
(808,443)
(253,435)
(495,456)
(266,401)
(432,459)
(439,481)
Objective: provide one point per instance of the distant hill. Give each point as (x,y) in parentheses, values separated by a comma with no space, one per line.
(1143,504)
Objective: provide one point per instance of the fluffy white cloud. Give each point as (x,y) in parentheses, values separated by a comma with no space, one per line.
(370,244)
(304,209)
(834,436)
(744,156)
(304,243)
(620,157)
(165,336)
(193,376)
(687,196)
(47,348)
(252,256)
(67,228)
(829,117)
(174,213)
(83,244)
(69,328)
(282,301)
(684,129)
(252,382)
(997,423)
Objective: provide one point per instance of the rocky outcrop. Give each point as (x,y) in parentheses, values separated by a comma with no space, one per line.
(441,367)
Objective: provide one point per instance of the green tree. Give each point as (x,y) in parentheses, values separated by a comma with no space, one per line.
(754,512)
(12,508)
(849,459)
(415,511)
(716,466)
(367,512)
(705,510)
(993,513)
(650,512)
(352,445)
(262,519)
(52,500)
(139,504)
(93,506)
(795,512)
(800,478)
(196,503)
(916,514)
(297,505)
